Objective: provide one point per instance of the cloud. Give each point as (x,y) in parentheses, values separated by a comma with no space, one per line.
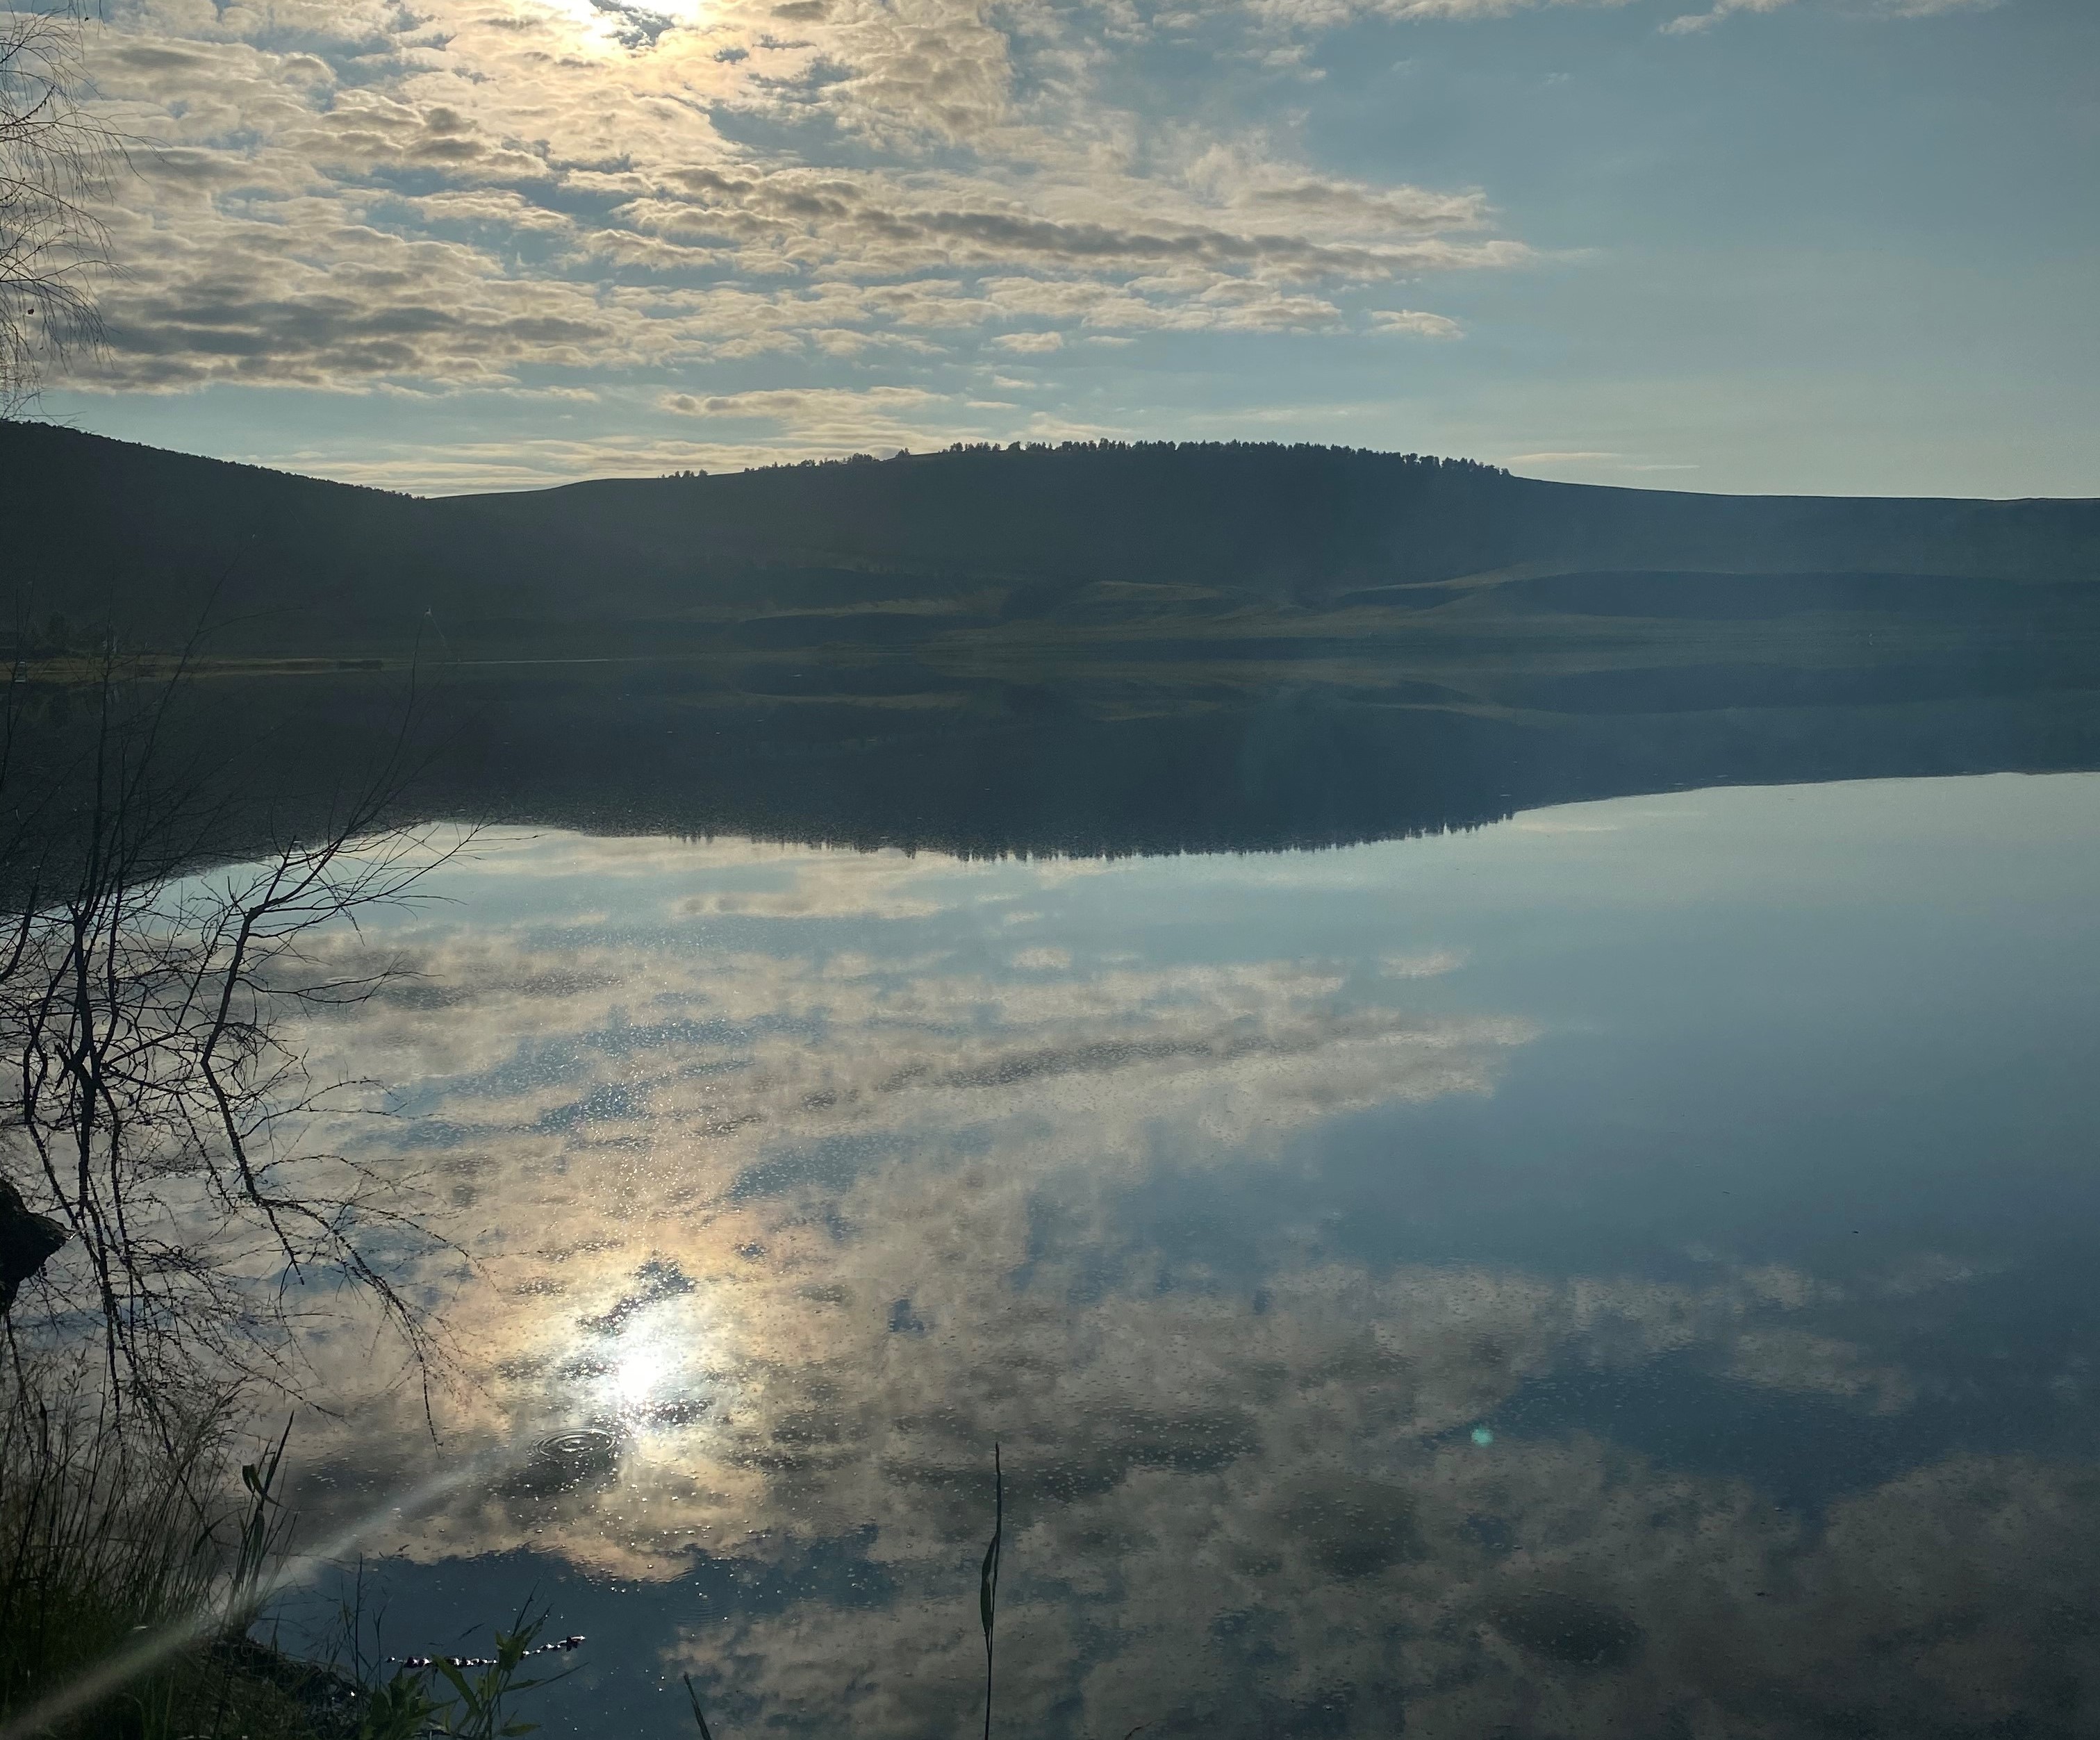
(663,203)
(1432,965)
(1687,23)
(830,408)
(1415,325)
(1322,15)
(1691,22)
(353,199)
(1595,458)
(1314,16)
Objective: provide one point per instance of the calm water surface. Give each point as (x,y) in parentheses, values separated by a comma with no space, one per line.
(1623,1271)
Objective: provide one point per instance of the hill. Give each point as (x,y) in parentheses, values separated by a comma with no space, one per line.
(910,548)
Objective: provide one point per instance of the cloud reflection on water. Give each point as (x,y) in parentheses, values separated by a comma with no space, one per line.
(799,1182)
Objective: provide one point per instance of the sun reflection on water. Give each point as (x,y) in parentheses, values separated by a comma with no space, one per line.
(639,1373)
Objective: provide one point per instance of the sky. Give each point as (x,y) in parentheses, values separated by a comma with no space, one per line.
(1818,246)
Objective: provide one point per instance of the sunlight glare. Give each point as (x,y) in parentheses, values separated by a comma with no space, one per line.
(641,1371)
(607,27)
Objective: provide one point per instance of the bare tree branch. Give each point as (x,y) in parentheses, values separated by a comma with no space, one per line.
(56,161)
(155,1096)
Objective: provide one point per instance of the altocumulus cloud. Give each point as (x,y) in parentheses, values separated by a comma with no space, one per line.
(658,204)
(1413,323)
(1694,21)
(833,413)
(343,196)
(1311,15)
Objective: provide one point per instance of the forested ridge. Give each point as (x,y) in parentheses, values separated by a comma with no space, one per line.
(102,531)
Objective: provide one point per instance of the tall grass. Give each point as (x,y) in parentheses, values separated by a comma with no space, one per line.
(988,1577)
(110,1532)
(133,1568)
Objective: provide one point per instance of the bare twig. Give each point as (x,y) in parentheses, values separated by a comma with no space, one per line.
(54,165)
(154,1089)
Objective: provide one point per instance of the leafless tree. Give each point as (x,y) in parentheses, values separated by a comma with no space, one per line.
(54,165)
(155,1099)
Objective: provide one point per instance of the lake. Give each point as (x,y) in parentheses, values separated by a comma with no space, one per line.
(1622,1270)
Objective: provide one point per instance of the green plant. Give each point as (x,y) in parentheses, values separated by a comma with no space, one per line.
(405,1708)
(400,1709)
(264,1532)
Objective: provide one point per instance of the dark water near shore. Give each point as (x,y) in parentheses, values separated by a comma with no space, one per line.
(1622,1270)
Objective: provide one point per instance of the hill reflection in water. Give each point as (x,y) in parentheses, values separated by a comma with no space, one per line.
(1119,750)
(1615,1271)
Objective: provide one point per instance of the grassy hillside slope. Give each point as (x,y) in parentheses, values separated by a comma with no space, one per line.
(1219,541)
